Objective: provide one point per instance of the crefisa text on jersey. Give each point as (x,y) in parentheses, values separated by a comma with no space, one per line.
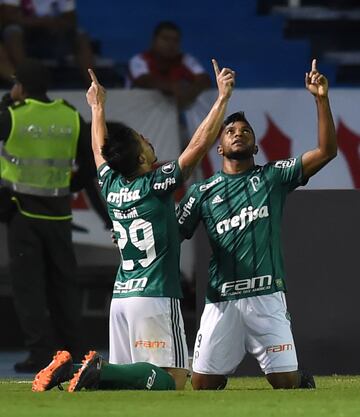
(246,216)
(123,196)
(165,184)
(186,210)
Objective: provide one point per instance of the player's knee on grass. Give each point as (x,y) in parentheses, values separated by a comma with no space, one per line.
(202,381)
(179,375)
(284,380)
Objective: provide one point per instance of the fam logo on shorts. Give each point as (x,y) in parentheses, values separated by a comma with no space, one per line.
(279,348)
(150,344)
(168,168)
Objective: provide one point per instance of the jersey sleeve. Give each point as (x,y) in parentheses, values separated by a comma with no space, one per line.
(105,177)
(166,179)
(188,213)
(289,172)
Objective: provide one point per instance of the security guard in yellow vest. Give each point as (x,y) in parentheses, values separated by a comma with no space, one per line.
(41,140)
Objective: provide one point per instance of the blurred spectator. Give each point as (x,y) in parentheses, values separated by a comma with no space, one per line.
(41,138)
(6,66)
(166,68)
(45,29)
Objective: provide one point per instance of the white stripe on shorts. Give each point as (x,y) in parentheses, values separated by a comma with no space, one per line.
(176,330)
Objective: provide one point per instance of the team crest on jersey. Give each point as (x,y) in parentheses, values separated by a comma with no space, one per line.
(255,181)
(286,163)
(168,168)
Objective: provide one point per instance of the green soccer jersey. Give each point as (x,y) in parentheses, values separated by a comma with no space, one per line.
(143,215)
(242,216)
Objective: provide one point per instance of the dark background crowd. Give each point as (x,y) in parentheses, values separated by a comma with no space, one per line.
(253,36)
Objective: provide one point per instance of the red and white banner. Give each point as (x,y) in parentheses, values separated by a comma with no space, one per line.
(285,124)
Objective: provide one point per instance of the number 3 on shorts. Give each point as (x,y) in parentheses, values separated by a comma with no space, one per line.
(146,244)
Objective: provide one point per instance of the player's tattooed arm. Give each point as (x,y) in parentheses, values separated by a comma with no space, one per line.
(314,160)
(206,134)
(96,97)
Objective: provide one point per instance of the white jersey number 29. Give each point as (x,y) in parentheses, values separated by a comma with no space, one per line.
(146,244)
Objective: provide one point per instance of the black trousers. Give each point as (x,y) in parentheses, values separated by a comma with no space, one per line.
(43,273)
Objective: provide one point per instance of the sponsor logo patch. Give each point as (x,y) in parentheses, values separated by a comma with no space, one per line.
(286,163)
(186,210)
(246,286)
(210,184)
(123,196)
(168,168)
(280,348)
(165,184)
(150,344)
(217,199)
(151,379)
(125,214)
(246,216)
(135,284)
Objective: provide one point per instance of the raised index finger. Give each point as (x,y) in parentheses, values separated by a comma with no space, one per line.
(313,65)
(93,76)
(216,67)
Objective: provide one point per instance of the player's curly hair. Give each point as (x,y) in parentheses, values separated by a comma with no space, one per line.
(237,117)
(121,150)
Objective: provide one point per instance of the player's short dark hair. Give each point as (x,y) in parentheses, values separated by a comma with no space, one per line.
(121,149)
(166,25)
(33,76)
(237,117)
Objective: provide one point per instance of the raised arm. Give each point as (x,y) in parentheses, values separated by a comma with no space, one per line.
(96,99)
(314,160)
(207,132)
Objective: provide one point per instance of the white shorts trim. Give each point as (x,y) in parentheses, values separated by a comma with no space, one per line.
(147,329)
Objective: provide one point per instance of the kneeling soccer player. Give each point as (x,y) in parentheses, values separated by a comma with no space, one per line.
(241,208)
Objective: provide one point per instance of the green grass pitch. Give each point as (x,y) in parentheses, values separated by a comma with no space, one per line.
(251,397)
